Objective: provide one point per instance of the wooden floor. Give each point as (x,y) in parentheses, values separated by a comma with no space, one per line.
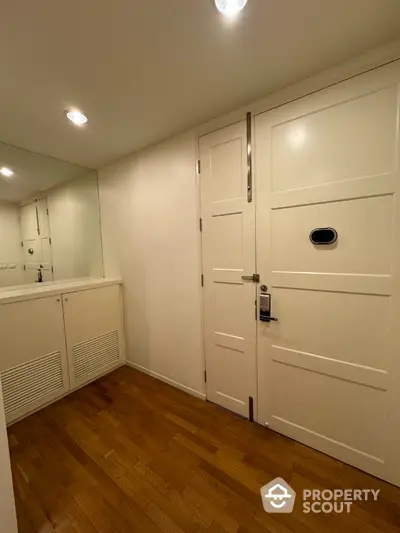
(129,453)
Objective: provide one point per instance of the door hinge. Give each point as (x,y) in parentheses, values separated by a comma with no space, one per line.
(47,211)
(202,280)
(24,267)
(251,409)
(49,240)
(22,244)
(52,270)
(205,376)
(201,224)
(198,166)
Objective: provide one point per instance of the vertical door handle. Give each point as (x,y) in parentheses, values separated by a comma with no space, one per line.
(249,160)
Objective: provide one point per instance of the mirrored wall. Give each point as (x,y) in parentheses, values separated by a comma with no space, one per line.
(49,220)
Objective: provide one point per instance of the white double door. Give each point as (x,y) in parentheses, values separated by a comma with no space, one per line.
(328,372)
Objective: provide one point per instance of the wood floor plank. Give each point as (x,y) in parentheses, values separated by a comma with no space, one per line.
(131,454)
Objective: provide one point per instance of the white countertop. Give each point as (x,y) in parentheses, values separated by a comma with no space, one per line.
(41,290)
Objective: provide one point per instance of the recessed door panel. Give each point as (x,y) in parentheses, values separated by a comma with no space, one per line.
(340,402)
(364,235)
(328,145)
(322,323)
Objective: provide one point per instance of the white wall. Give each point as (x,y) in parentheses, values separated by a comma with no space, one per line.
(10,246)
(75,229)
(7,507)
(151,238)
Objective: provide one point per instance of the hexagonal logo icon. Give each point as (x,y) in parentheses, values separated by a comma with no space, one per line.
(278,497)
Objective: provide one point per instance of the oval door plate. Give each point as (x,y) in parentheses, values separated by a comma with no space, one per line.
(323,236)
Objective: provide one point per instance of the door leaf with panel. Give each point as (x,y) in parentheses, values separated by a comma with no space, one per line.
(228,241)
(329,370)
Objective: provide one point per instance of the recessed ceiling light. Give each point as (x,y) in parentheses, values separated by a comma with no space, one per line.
(7,172)
(76,117)
(230,8)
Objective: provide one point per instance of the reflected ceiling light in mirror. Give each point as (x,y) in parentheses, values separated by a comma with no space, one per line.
(230,8)
(76,117)
(6,172)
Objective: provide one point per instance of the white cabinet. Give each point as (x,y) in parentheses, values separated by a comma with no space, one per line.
(93,326)
(33,360)
(7,504)
(51,345)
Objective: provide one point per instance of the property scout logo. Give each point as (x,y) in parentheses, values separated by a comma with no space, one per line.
(279,497)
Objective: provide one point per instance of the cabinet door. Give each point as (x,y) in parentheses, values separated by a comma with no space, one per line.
(7,504)
(33,363)
(93,324)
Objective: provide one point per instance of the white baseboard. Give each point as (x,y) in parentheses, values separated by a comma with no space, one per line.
(184,388)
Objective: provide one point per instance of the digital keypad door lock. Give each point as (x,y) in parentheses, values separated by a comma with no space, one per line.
(265,308)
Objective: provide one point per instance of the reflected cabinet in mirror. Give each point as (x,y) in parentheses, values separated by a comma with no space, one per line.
(49,220)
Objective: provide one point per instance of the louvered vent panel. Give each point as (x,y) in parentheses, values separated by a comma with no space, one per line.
(30,384)
(91,356)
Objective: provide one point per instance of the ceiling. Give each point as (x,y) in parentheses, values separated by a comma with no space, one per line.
(33,173)
(143,70)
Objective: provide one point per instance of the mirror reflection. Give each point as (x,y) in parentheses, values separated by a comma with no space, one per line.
(49,220)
